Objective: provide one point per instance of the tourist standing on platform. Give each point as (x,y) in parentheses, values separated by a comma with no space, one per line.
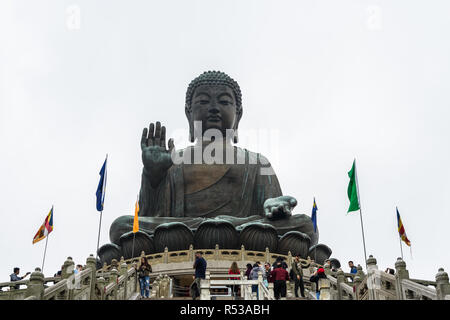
(319,274)
(200,273)
(77,273)
(298,276)
(15,276)
(352,267)
(278,259)
(144,271)
(249,269)
(78,269)
(254,276)
(58,273)
(234,270)
(267,271)
(279,276)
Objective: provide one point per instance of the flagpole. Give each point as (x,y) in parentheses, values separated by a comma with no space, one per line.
(45,252)
(315,251)
(401,249)
(360,215)
(98,239)
(399,237)
(132,250)
(134,235)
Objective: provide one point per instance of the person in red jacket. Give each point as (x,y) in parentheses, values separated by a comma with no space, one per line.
(234,269)
(279,276)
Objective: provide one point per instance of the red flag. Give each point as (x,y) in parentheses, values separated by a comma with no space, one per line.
(401,230)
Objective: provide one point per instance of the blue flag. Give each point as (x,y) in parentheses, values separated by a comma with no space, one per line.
(101,187)
(314,215)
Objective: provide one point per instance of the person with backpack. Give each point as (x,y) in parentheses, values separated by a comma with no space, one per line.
(279,276)
(254,276)
(200,273)
(319,274)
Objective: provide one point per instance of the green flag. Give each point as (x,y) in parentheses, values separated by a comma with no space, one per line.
(352,191)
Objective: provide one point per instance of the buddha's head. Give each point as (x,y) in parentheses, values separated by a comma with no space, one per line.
(214,99)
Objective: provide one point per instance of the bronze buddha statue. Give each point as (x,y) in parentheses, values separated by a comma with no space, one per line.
(212,192)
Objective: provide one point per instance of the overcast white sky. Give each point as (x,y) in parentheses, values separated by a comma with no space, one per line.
(333,80)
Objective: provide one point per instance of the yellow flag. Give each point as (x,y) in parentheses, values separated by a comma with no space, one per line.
(136,220)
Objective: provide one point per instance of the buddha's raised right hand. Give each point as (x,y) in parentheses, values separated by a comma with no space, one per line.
(155,157)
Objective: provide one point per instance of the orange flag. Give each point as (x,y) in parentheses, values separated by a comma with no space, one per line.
(45,228)
(136,220)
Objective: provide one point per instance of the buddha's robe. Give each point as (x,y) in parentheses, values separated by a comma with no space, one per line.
(192,193)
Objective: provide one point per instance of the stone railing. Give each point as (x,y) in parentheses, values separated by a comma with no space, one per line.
(264,293)
(8,290)
(120,281)
(85,285)
(162,287)
(217,254)
(379,285)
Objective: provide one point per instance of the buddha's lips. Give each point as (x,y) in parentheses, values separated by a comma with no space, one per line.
(214,118)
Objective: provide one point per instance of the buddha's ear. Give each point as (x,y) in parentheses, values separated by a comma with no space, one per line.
(191,125)
(236,125)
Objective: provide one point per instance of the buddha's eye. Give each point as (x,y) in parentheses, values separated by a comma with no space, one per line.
(203,102)
(224,102)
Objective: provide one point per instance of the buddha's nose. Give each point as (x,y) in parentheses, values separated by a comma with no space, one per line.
(213,108)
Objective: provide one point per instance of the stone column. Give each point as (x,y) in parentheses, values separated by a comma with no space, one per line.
(114,265)
(442,284)
(68,268)
(271,289)
(242,286)
(101,283)
(164,290)
(35,286)
(114,278)
(191,253)
(327,269)
(216,252)
(124,272)
(91,264)
(260,284)
(155,288)
(360,272)
(66,273)
(289,259)
(242,253)
(356,283)
(373,280)
(324,287)
(400,274)
(340,280)
(267,255)
(205,285)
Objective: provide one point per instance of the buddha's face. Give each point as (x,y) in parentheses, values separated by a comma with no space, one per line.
(215,107)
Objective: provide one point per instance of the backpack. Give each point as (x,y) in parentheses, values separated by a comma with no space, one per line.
(254,274)
(292,275)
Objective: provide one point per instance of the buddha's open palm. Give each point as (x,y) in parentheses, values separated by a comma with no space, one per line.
(155,157)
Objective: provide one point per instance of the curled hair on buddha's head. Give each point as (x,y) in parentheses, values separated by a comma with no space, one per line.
(213,78)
